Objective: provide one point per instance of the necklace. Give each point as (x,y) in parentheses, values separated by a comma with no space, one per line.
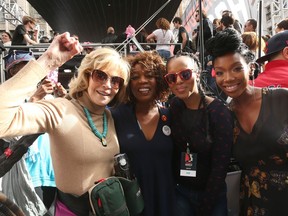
(101,136)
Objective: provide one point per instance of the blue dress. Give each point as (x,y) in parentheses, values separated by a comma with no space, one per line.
(151,161)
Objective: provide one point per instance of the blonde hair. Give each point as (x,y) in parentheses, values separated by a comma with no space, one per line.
(103,59)
(252,41)
(27,19)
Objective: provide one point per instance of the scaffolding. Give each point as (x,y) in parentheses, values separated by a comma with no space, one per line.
(12,12)
(274,12)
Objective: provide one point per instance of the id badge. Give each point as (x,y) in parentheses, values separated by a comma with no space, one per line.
(188,163)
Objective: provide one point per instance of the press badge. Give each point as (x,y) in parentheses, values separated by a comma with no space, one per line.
(188,163)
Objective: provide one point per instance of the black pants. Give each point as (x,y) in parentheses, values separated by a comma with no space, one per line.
(47,195)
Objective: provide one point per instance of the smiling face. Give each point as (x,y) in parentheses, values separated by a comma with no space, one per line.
(183,88)
(102,91)
(232,74)
(143,84)
(5,38)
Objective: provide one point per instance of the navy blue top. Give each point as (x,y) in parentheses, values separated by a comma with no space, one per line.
(212,158)
(151,161)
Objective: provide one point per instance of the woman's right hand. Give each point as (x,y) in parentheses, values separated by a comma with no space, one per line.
(62,49)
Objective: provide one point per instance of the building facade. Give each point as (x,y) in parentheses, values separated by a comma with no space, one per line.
(12,11)
(273,11)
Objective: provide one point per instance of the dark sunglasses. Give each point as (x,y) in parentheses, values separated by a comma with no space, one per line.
(98,75)
(172,77)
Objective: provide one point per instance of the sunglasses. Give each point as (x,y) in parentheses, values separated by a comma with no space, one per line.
(172,77)
(100,76)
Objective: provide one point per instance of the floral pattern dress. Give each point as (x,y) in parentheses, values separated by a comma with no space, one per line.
(263,156)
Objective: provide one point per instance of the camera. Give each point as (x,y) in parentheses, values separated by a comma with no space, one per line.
(122,166)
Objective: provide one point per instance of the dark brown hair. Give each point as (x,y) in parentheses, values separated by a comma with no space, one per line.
(151,61)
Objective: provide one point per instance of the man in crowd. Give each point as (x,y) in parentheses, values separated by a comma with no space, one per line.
(111,37)
(276,70)
(250,25)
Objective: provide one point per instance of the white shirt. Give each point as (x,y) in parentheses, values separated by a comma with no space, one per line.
(163,37)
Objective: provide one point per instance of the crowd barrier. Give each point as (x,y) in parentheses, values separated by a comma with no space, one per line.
(39,49)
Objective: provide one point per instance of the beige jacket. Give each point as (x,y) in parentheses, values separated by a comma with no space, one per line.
(79,159)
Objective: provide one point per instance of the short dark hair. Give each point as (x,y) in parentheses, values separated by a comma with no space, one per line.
(177,20)
(283,24)
(9,35)
(204,14)
(227,21)
(253,22)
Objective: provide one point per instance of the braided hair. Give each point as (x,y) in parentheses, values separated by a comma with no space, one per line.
(197,64)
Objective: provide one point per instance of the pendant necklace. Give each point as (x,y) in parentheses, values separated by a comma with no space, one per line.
(101,136)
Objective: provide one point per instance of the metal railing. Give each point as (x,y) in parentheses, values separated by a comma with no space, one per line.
(39,49)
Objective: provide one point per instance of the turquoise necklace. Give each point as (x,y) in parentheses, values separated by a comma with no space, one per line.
(101,136)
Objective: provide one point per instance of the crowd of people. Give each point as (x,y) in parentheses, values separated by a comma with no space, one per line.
(153,106)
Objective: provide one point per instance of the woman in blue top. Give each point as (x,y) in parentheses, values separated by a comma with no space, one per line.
(143,131)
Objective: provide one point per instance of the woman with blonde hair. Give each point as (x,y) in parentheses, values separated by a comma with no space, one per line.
(252,41)
(81,130)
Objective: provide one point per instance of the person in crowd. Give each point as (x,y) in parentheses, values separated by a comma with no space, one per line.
(87,49)
(141,38)
(227,22)
(81,130)
(75,36)
(22,32)
(252,41)
(250,25)
(194,40)
(266,37)
(183,36)
(36,176)
(6,38)
(282,25)
(163,35)
(275,72)
(260,128)
(44,39)
(202,133)
(236,25)
(143,130)
(110,37)
(55,33)
(207,27)
(216,25)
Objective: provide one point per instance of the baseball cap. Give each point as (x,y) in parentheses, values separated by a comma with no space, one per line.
(16,57)
(275,44)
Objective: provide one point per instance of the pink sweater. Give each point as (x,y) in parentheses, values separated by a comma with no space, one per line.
(79,159)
